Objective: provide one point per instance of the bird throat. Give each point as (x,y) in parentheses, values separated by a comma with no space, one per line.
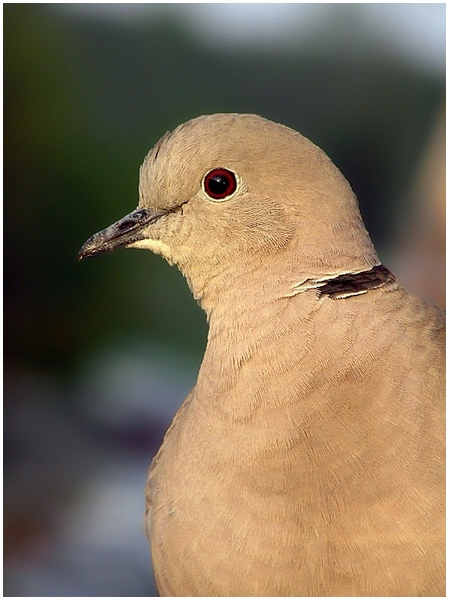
(353,284)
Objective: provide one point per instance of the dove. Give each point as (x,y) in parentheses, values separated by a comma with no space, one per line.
(308,460)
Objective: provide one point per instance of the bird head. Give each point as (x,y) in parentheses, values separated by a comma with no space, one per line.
(229,194)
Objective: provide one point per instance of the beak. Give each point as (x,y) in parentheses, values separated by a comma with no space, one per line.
(122,233)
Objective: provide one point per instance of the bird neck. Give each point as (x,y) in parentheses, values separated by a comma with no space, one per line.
(263,334)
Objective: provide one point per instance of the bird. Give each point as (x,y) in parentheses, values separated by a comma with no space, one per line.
(308,459)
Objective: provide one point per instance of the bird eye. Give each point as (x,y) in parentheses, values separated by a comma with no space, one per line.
(220,183)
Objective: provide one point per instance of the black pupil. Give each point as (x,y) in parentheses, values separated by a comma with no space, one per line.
(218,184)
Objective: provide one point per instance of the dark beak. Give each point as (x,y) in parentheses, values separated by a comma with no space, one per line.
(122,233)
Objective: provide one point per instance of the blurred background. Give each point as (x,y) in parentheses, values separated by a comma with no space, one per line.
(98,355)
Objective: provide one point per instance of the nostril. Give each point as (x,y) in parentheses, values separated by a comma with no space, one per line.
(136,218)
(125,224)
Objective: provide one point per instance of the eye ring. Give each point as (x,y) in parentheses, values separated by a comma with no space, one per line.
(219,184)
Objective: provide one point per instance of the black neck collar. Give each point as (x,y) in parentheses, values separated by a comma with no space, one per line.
(353,284)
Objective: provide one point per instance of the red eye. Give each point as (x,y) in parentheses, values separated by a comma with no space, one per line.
(220,183)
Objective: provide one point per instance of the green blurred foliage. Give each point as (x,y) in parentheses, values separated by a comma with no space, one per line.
(84,101)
